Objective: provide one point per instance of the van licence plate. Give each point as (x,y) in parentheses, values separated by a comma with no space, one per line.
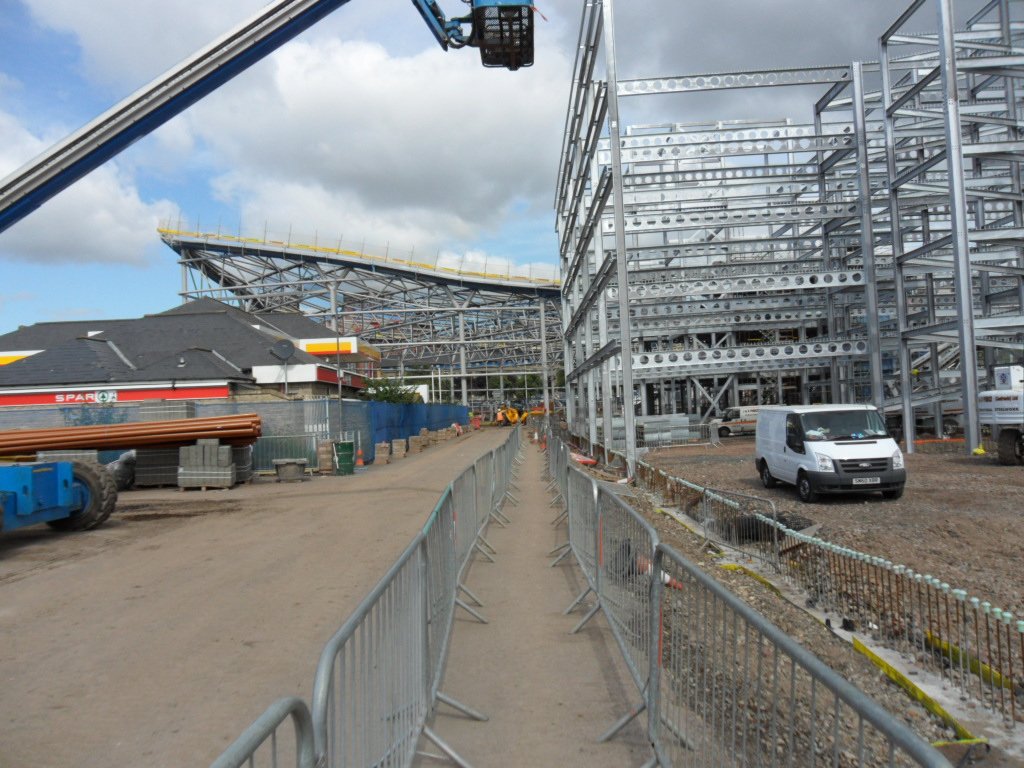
(867,480)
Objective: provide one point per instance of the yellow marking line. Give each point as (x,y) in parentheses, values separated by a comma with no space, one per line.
(904,682)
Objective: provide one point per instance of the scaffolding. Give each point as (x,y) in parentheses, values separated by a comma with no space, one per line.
(717,264)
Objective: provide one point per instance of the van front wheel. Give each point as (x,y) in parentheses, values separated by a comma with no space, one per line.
(766,476)
(805,490)
(723,432)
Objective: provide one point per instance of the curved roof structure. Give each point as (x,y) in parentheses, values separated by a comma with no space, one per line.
(418,314)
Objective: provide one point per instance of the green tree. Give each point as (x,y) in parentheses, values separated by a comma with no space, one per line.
(390,391)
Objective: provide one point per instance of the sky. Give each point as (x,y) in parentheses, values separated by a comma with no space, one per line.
(360,132)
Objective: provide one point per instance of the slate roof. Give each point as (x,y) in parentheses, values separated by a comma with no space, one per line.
(214,341)
(295,324)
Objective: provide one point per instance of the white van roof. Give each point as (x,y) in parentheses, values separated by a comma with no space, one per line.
(819,408)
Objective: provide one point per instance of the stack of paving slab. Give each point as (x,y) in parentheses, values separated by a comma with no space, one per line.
(417,443)
(207,464)
(241,455)
(159,466)
(325,457)
(156,466)
(398,448)
(382,453)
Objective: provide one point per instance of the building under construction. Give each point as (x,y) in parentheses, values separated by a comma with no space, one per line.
(869,250)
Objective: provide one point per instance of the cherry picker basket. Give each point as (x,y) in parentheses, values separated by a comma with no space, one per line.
(503,31)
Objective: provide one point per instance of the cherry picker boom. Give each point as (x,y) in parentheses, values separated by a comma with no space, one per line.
(501,29)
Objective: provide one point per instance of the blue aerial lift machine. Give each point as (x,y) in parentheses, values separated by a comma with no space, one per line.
(66,495)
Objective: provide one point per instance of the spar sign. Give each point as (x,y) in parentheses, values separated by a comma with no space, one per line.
(100,396)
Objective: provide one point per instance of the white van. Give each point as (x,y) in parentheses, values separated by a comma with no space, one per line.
(736,421)
(828,449)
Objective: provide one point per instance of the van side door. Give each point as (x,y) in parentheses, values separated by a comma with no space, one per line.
(794,451)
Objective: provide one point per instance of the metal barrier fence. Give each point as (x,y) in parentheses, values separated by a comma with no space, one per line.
(262,741)
(378,678)
(720,684)
(270,447)
(972,645)
(729,688)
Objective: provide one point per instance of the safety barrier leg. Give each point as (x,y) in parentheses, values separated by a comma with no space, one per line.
(469,592)
(498,515)
(450,753)
(623,721)
(577,601)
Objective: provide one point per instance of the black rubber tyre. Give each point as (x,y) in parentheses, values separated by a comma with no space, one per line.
(805,490)
(100,497)
(1011,447)
(724,432)
(766,476)
(893,494)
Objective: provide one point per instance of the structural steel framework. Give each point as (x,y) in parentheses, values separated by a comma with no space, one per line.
(460,323)
(714,264)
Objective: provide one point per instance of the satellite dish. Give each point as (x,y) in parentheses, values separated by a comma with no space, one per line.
(283,349)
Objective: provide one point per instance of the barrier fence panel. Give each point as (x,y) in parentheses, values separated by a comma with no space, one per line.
(738,519)
(581,499)
(441,567)
(625,563)
(971,645)
(370,696)
(268,740)
(729,688)
(270,447)
(379,676)
(467,522)
(722,686)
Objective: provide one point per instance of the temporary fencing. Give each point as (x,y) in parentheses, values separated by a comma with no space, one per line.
(719,683)
(267,740)
(973,646)
(378,678)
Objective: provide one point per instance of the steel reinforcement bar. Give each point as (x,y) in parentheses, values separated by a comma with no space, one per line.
(378,680)
(719,683)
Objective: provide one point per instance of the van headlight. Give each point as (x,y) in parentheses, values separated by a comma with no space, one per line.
(824,463)
(897,459)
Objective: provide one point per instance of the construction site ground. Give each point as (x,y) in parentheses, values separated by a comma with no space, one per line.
(156,639)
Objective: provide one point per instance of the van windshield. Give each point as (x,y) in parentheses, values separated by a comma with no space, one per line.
(843,425)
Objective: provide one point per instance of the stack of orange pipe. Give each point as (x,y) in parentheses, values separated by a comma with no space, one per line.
(242,429)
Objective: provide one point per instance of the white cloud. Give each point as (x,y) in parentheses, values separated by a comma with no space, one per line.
(126,43)
(424,149)
(100,219)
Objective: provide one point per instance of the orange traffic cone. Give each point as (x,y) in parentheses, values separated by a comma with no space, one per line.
(359,458)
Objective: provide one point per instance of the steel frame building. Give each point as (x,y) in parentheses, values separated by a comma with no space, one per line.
(429,321)
(759,259)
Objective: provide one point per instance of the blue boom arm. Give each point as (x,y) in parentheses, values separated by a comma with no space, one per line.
(501,29)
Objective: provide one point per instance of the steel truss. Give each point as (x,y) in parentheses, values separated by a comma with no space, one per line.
(460,324)
(759,258)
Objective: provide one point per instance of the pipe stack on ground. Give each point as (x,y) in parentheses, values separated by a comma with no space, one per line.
(242,429)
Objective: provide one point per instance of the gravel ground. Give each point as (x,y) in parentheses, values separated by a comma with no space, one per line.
(959,520)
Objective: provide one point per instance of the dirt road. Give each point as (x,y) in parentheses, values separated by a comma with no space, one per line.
(156,639)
